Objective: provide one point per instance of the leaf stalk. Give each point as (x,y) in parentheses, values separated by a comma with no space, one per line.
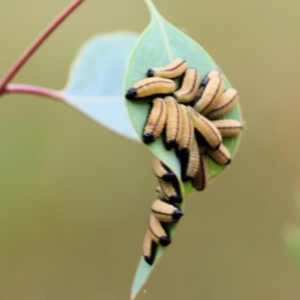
(34,90)
(25,56)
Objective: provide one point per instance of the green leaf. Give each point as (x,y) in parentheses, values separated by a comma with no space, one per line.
(292,238)
(291,233)
(159,44)
(96,81)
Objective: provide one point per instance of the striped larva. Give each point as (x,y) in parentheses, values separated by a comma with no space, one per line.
(210,95)
(170,191)
(185,142)
(161,170)
(200,181)
(193,161)
(174,69)
(228,127)
(187,131)
(159,234)
(151,87)
(156,121)
(165,212)
(221,156)
(189,87)
(206,132)
(173,126)
(149,247)
(227,102)
(204,82)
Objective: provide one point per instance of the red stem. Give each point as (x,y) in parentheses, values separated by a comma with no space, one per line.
(37,43)
(32,89)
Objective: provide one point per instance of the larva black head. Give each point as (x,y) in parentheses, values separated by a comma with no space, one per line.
(169,177)
(150,73)
(228,161)
(148,138)
(170,145)
(182,153)
(149,260)
(164,241)
(131,94)
(177,214)
(176,199)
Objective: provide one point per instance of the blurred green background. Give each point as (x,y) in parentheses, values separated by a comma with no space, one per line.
(75,198)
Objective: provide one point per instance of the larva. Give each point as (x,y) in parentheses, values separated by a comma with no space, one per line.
(210,95)
(189,87)
(185,142)
(206,132)
(149,248)
(156,121)
(162,171)
(165,212)
(228,127)
(173,126)
(227,101)
(193,162)
(174,69)
(204,82)
(158,233)
(170,191)
(221,156)
(187,131)
(200,181)
(151,87)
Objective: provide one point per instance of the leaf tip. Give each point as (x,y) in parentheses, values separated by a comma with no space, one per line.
(133,295)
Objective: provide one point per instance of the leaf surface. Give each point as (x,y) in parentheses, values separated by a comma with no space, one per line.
(96,80)
(159,44)
(292,238)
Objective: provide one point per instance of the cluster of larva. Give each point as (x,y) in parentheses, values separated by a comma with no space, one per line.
(189,119)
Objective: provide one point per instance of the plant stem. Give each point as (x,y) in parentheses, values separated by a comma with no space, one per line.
(37,43)
(32,89)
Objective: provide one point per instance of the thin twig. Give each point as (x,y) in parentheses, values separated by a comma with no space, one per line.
(33,90)
(37,43)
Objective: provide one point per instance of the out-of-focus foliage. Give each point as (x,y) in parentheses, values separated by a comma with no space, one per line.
(292,238)
(292,233)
